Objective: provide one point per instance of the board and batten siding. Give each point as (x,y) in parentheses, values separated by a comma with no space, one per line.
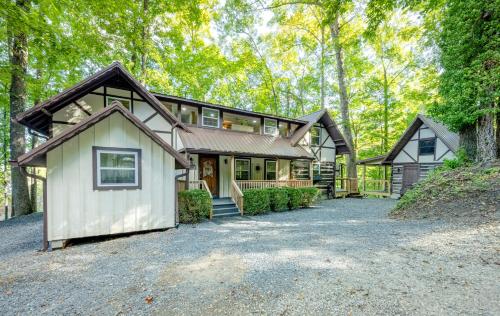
(76,210)
(409,155)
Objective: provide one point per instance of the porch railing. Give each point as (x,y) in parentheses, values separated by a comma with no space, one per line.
(261,184)
(346,186)
(375,187)
(236,195)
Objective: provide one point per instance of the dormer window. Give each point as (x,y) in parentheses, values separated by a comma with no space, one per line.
(210,117)
(270,127)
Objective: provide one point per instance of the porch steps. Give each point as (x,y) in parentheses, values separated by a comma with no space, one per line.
(224,207)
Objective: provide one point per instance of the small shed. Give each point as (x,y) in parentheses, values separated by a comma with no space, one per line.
(423,146)
(108,174)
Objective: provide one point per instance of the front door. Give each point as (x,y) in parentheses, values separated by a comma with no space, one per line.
(208,172)
(410,176)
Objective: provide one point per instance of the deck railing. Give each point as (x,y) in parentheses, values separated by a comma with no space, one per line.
(262,184)
(375,187)
(346,186)
(236,195)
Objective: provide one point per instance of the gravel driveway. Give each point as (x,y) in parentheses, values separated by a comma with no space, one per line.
(344,257)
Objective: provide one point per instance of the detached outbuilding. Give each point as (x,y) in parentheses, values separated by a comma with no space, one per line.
(424,145)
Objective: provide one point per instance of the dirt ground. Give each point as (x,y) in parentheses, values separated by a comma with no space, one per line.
(344,257)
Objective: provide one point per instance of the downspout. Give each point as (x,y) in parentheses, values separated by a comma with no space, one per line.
(45,243)
(186,174)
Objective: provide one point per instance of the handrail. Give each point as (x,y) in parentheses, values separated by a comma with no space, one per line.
(237,195)
(261,184)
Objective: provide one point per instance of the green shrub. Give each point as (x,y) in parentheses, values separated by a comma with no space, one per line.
(461,160)
(294,198)
(308,196)
(194,205)
(256,201)
(278,199)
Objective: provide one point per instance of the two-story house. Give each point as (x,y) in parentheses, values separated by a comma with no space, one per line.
(113,148)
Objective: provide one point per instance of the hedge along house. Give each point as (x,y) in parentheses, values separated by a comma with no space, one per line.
(113,149)
(423,146)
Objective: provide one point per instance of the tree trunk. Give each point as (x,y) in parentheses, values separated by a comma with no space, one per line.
(385,140)
(344,102)
(468,141)
(322,69)
(498,134)
(19,63)
(486,145)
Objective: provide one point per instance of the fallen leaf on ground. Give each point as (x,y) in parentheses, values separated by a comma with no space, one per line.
(149,299)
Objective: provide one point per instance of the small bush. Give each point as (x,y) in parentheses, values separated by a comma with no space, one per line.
(256,201)
(461,160)
(278,199)
(308,196)
(294,198)
(194,205)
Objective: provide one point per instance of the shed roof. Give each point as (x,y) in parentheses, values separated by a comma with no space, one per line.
(217,141)
(323,117)
(37,156)
(377,160)
(38,117)
(450,139)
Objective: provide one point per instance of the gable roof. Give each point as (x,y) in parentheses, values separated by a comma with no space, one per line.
(38,117)
(450,139)
(218,141)
(36,157)
(322,116)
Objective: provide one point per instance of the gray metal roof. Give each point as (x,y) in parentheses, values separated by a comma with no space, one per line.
(217,141)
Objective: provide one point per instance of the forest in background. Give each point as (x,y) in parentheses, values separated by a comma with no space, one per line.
(373,64)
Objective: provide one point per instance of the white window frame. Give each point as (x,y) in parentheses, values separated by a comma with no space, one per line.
(98,185)
(209,117)
(275,169)
(249,168)
(276,131)
(108,102)
(311,136)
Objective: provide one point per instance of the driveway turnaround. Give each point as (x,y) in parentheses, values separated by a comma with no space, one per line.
(344,257)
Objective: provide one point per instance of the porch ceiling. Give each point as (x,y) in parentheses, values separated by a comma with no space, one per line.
(204,140)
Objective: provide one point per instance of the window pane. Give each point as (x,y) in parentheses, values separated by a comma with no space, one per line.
(270,127)
(315,136)
(210,117)
(117,160)
(242,169)
(283,129)
(124,102)
(241,123)
(271,165)
(427,146)
(189,114)
(117,176)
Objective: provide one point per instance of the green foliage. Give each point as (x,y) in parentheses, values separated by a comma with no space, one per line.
(308,196)
(461,160)
(294,198)
(194,205)
(256,201)
(278,199)
(470,56)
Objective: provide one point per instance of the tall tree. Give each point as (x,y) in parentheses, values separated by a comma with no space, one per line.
(18,95)
(470,55)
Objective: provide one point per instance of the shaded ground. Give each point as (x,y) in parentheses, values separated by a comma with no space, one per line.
(344,257)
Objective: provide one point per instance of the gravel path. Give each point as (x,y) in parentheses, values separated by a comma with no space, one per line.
(344,257)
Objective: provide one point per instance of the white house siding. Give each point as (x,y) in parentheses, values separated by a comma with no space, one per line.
(95,102)
(284,169)
(257,163)
(76,210)
(224,176)
(409,155)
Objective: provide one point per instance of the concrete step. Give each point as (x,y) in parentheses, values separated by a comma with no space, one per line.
(226,210)
(226,215)
(218,206)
